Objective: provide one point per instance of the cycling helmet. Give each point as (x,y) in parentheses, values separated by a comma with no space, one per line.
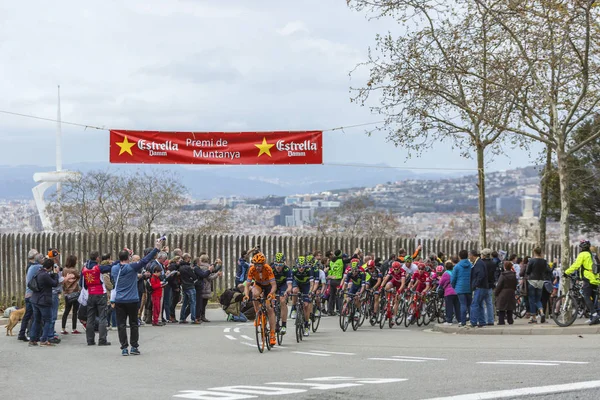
(310,259)
(354,266)
(585,245)
(396,265)
(371,264)
(259,258)
(279,258)
(301,262)
(408,259)
(439,269)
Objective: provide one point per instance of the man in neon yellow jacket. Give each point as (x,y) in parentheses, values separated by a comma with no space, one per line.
(585,264)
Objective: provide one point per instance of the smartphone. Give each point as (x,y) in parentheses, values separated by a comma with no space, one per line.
(163,238)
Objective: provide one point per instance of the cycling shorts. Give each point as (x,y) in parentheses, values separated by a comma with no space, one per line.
(354,289)
(264,289)
(304,289)
(396,284)
(281,289)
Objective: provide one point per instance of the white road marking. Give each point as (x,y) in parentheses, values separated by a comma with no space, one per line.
(501,394)
(395,359)
(517,363)
(268,391)
(311,354)
(248,344)
(227,330)
(318,386)
(421,358)
(230,337)
(206,395)
(236,330)
(547,361)
(246,337)
(333,352)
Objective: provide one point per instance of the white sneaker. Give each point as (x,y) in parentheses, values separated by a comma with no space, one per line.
(293,315)
(447,324)
(305,331)
(317,313)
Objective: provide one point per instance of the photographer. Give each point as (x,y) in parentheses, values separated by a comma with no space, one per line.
(243,266)
(206,274)
(97,302)
(41,300)
(126,296)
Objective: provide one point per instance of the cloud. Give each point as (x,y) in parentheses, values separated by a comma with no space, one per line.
(292,28)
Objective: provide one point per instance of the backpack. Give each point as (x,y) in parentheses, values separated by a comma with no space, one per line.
(33,284)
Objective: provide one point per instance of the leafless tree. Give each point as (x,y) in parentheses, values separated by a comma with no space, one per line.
(433,81)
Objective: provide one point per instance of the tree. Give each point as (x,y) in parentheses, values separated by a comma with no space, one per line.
(434,81)
(156,193)
(584,193)
(209,222)
(554,45)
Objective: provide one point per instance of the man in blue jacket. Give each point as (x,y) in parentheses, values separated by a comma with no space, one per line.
(126,296)
(461,282)
(480,286)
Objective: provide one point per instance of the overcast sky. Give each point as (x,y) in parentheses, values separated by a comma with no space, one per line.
(193,65)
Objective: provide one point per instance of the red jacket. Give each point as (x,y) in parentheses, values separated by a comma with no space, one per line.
(93,280)
(156,284)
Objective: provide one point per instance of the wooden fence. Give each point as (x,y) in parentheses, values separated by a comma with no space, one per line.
(14,249)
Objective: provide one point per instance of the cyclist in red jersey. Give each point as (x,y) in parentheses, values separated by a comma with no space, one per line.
(421,280)
(395,278)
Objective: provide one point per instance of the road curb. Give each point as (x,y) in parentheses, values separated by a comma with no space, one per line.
(511,330)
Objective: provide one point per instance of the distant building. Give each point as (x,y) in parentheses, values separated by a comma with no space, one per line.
(291,200)
(509,206)
(35,222)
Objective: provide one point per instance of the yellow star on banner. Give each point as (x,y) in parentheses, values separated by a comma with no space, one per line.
(125,146)
(264,147)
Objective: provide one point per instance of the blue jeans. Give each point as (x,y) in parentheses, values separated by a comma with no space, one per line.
(240,318)
(26,318)
(55,303)
(42,321)
(489,307)
(167,302)
(535,298)
(465,304)
(189,300)
(479,299)
(111,316)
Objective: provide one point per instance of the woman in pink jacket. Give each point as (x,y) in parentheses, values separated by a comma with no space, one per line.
(450,296)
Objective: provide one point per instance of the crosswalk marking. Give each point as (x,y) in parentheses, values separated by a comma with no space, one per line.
(333,352)
(542,363)
(421,358)
(547,361)
(311,354)
(230,337)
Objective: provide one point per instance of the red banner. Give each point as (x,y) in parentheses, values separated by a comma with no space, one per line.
(147,147)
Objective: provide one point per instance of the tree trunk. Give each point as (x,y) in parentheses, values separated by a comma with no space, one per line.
(544,198)
(565,208)
(481,187)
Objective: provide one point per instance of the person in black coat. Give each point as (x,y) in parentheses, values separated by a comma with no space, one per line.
(41,301)
(505,294)
(480,287)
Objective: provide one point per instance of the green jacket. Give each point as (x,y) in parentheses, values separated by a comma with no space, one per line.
(336,269)
(585,262)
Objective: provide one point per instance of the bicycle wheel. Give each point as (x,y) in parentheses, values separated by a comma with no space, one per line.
(521,307)
(315,320)
(410,313)
(441,311)
(278,324)
(564,310)
(422,313)
(260,338)
(430,313)
(300,318)
(401,314)
(354,316)
(382,311)
(346,317)
(266,332)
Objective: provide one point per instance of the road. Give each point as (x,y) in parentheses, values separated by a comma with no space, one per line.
(219,360)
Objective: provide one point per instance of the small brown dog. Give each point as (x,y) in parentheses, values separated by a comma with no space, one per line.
(15,317)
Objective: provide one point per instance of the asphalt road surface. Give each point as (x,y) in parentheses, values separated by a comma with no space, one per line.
(220,360)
